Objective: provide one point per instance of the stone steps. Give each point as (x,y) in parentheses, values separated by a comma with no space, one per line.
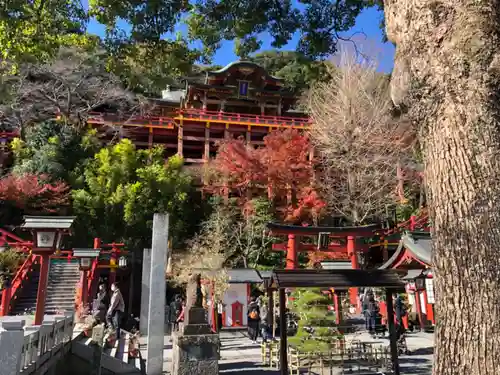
(117,359)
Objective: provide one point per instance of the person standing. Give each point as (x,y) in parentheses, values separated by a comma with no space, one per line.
(175,312)
(253,320)
(116,309)
(180,318)
(220,310)
(101,304)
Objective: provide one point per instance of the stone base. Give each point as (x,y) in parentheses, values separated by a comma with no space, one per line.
(195,354)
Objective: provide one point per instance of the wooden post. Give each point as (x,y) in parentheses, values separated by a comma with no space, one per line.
(6,294)
(419,310)
(42,288)
(206,152)
(112,264)
(392,332)
(337,301)
(291,253)
(270,308)
(179,140)
(85,288)
(150,138)
(283,338)
(351,251)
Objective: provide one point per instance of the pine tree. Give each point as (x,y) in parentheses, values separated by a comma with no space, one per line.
(316,325)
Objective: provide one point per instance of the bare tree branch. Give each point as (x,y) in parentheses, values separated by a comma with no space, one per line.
(360,145)
(75,83)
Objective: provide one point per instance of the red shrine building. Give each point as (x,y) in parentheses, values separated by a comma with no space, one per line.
(239,100)
(413,258)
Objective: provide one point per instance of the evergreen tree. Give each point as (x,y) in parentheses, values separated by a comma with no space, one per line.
(316,325)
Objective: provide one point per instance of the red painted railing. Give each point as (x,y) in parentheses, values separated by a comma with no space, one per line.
(156,121)
(11,293)
(243,117)
(197,114)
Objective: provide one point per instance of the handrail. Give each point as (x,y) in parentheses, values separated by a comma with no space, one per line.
(97,117)
(39,341)
(4,235)
(101,117)
(17,282)
(243,115)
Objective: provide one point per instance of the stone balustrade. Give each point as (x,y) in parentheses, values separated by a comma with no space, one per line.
(34,349)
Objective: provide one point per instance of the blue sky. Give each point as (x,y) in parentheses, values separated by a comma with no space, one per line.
(367,23)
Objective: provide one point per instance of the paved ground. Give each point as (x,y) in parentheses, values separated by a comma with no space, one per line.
(239,356)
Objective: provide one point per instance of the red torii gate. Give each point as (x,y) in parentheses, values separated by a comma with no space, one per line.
(341,244)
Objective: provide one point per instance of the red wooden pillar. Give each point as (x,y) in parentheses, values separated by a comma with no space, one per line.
(337,303)
(85,289)
(413,223)
(97,272)
(291,253)
(419,309)
(426,306)
(112,263)
(42,288)
(405,321)
(351,251)
(6,294)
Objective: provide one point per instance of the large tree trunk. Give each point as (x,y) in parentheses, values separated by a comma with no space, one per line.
(447,76)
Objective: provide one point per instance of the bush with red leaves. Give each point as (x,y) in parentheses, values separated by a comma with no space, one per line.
(282,167)
(34,193)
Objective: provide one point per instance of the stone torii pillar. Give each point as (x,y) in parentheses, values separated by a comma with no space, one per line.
(156,305)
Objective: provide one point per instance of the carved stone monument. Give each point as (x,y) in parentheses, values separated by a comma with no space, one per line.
(195,347)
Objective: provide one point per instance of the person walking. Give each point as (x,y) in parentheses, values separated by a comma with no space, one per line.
(365,303)
(220,310)
(400,310)
(116,309)
(175,311)
(264,321)
(253,320)
(373,311)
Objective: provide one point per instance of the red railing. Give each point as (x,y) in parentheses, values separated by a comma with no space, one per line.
(197,114)
(156,121)
(242,117)
(11,293)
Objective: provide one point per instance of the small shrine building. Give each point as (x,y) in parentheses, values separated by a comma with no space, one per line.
(414,257)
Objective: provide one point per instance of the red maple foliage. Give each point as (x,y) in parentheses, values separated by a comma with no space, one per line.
(34,193)
(282,167)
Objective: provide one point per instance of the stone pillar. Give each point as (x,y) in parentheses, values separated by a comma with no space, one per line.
(146,269)
(11,345)
(156,314)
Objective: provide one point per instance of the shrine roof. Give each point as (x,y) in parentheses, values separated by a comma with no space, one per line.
(313,230)
(340,279)
(237,65)
(418,244)
(243,276)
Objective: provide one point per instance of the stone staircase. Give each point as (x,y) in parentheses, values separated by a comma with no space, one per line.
(63,279)
(115,360)
(26,303)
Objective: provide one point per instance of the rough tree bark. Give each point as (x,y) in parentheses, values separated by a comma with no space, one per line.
(447,75)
